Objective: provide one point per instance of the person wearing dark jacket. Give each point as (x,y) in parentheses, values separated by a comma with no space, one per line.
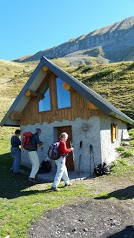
(16,152)
(61,163)
(33,155)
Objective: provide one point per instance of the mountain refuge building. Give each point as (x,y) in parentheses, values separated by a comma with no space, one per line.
(56,102)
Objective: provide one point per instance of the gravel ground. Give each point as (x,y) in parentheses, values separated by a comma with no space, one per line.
(91,218)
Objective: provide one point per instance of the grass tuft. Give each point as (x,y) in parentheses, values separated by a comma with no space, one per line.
(120,149)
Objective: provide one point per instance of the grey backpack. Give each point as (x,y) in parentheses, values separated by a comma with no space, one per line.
(53,151)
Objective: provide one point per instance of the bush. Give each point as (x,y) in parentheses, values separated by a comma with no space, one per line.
(132,142)
(131,132)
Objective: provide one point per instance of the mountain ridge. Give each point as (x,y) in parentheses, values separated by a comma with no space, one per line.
(114,41)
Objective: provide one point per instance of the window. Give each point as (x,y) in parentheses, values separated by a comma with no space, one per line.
(63,95)
(114,132)
(45,104)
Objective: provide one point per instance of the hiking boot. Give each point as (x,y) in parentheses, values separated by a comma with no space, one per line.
(68,184)
(15,173)
(33,180)
(55,189)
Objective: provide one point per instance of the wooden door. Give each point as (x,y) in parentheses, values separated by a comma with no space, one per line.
(69,158)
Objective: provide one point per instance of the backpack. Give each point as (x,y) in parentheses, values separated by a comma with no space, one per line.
(45,167)
(53,151)
(26,140)
(101,169)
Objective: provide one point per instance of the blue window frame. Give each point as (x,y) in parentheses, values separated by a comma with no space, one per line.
(63,96)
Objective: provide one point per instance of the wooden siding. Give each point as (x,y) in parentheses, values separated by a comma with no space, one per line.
(80,107)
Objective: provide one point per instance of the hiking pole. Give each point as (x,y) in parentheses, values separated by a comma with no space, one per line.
(91,158)
(74,160)
(80,159)
(91,154)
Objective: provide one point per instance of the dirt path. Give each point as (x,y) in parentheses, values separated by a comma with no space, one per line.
(98,217)
(88,219)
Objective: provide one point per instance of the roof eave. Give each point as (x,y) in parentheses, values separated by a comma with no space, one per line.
(18,125)
(127,120)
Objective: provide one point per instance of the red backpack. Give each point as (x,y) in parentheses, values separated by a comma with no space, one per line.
(26,140)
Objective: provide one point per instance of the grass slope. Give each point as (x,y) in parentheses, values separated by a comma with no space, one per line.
(13,76)
(115,82)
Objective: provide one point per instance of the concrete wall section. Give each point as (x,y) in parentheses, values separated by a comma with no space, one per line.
(108,149)
(46,137)
(87,131)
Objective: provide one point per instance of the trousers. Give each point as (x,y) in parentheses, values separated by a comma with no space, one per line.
(16,155)
(34,159)
(61,172)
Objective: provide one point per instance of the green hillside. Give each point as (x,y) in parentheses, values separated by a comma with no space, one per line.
(115,82)
(13,76)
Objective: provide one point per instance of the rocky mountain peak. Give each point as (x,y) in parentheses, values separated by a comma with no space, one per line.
(114,42)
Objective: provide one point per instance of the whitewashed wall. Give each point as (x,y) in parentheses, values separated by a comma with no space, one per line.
(79,133)
(98,135)
(108,149)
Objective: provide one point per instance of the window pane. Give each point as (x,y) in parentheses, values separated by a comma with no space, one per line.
(62,95)
(44,105)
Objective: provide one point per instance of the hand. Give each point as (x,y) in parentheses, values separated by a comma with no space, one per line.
(41,143)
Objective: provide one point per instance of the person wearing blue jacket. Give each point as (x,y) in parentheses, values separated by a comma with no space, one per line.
(16,152)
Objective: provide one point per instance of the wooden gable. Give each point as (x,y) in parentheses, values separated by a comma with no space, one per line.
(80,107)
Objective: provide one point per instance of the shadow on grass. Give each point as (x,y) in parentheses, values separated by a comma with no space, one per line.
(121,194)
(128,232)
(11,185)
(47,190)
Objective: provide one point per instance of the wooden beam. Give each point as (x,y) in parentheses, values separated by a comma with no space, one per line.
(53,93)
(45,68)
(72,90)
(40,96)
(92,106)
(16,115)
(30,93)
(66,86)
(51,73)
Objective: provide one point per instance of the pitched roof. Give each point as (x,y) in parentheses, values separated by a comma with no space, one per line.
(36,79)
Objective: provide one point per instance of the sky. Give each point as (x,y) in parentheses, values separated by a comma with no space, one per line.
(28,26)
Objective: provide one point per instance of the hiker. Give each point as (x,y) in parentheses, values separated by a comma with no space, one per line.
(16,152)
(61,163)
(35,143)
